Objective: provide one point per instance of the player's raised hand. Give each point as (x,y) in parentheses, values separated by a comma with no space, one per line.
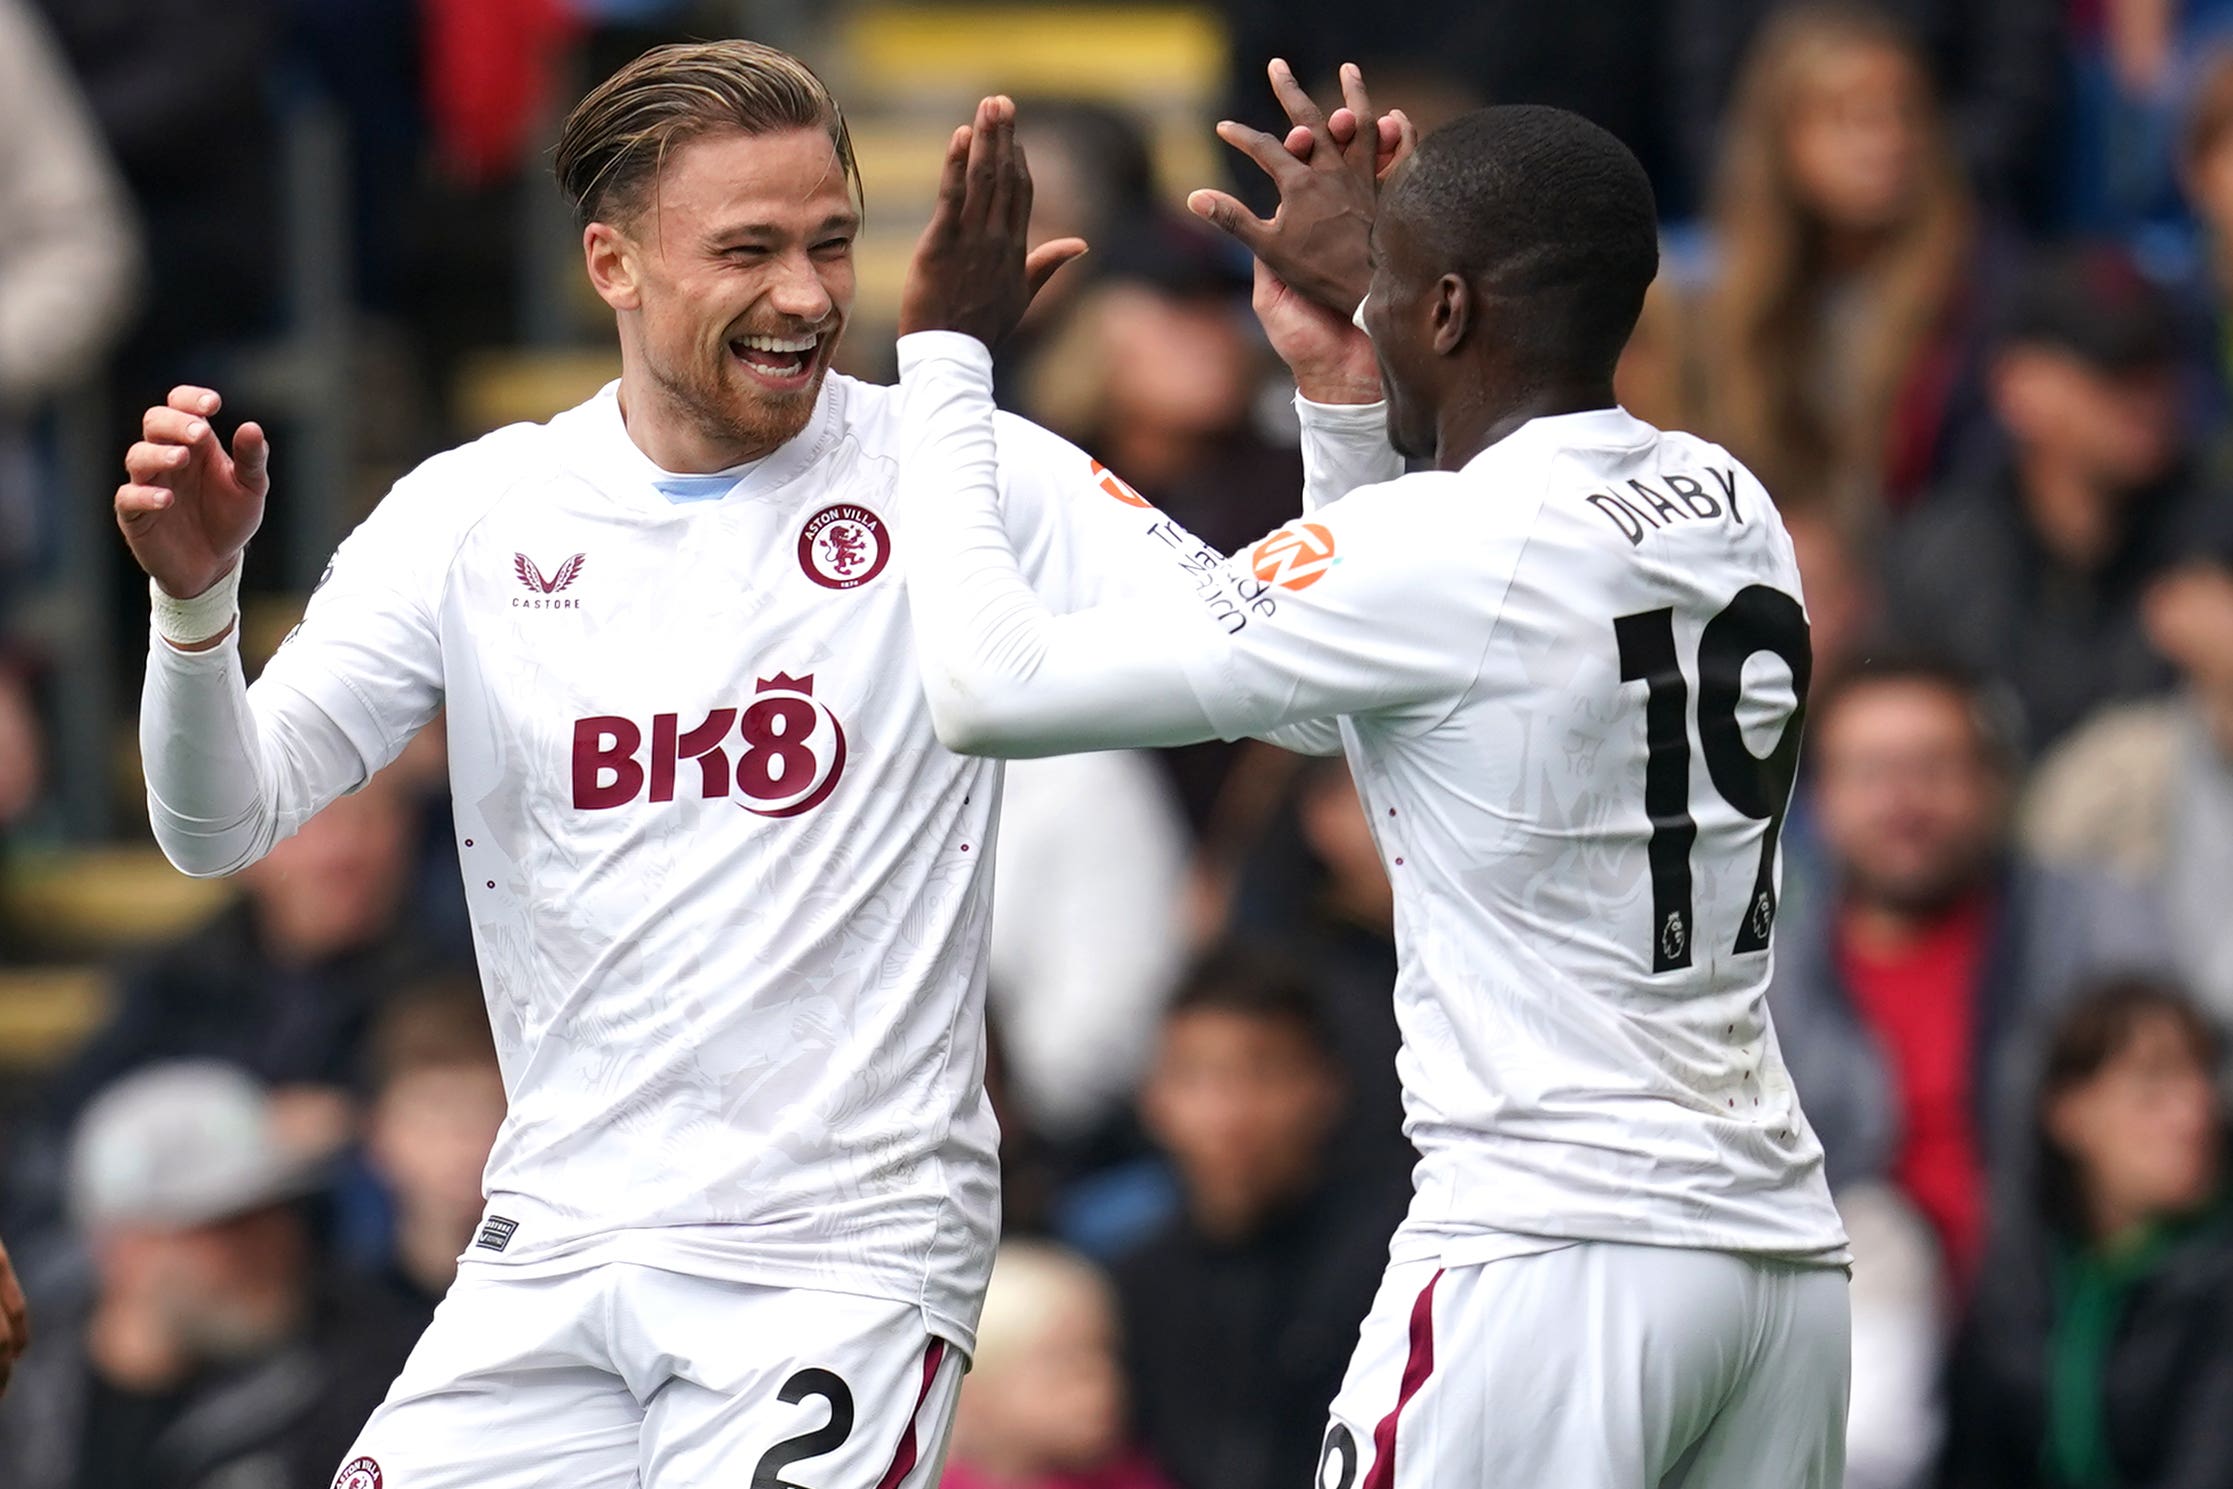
(1316,241)
(1397,138)
(1332,359)
(971,272)
(188,506)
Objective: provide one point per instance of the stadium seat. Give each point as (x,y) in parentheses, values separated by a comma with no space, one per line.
(47,1012)
(96,901)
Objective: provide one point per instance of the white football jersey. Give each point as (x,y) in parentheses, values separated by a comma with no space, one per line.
(1597,643)
(728,891)
(1569,680)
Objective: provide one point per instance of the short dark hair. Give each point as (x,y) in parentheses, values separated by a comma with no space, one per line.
(2093,1031)
(2092,301)
(1993,713)
(1252,983)
(1538,205)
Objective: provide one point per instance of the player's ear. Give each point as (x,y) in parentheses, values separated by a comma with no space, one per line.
(1453,312)
(611,262)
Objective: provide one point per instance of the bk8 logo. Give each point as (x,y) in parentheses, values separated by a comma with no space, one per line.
(789,751)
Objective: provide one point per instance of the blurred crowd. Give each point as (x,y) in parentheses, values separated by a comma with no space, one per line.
(1955,277)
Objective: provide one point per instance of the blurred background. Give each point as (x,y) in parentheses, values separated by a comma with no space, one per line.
(1954,276)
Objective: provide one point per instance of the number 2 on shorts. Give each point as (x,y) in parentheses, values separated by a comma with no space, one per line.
(827,1438)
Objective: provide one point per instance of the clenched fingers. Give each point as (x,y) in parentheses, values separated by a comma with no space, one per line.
(147,463)
(135,501)
(173,426)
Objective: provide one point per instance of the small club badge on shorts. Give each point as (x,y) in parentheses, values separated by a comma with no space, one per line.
(358,1473)
(845,546)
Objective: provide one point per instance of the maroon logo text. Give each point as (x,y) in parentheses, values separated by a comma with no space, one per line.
(843,547)
(781,753)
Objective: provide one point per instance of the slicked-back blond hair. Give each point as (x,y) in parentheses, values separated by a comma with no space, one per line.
(615,142)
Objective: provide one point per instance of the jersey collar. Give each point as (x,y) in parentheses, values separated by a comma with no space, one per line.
(1596,428)
(635,478)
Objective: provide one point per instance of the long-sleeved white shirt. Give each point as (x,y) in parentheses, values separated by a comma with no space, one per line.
(728,891)
(1568,681)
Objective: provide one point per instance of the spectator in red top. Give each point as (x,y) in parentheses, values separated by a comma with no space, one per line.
(1908,989)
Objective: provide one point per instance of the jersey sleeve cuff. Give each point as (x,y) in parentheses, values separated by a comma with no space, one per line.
(1344,418)
(175,658)
(918,347)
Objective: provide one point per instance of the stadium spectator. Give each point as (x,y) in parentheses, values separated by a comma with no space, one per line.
(1239,1316)
(2146,789)
(1156,371)
(1909,988)
(182,91)
(1044,1404)
(437,1101)
(2205,172)
(2000,67)
(282,983)
(1833,337)
(22,764)
(69,269)
(1315,888)
(1085,932)
(1895,1420)
(1093,177)
(69,258)
(2131,74)
(1844,606)
(2029,567)
(209,1354)
(2099,1347)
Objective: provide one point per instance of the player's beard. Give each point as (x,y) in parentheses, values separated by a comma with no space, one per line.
(719,399)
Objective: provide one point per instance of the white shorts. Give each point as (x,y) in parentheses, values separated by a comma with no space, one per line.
(620,1375)
(1597,1366)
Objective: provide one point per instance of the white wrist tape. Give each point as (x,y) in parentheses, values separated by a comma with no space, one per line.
(191,622)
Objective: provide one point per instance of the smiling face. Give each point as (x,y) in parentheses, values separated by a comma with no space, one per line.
(733,281)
